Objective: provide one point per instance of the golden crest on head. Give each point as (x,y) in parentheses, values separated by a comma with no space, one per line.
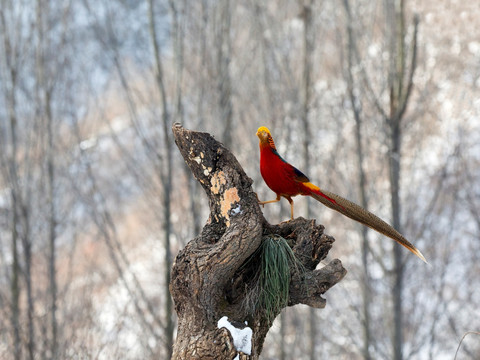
(265,137)
(263,128)
(263,133)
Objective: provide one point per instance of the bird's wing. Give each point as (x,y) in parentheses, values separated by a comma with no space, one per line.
(291,170)
(299,176)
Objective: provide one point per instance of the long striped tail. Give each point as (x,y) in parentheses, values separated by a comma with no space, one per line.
(363,216)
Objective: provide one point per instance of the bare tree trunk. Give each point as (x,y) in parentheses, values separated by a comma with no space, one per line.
(20,221)
(400,86)
(396,54)
(52,223)
(166,181)
(394,165)
(44,103)
(366,290)
(224,53)
(266,68)
(14,285)
(12,179)
(27,254)
(306,91)
(177,9)
(356,109)
(202,71)
(212,274)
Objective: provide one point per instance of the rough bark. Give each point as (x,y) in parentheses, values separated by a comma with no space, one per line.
(212,274)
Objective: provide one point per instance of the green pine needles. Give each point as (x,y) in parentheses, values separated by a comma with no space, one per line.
(271,284)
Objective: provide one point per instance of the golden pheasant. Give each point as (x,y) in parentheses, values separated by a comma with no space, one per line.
(287,181)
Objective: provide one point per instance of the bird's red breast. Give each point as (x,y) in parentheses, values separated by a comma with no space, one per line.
(281,177)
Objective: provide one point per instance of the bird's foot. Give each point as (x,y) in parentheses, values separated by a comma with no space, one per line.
(262,203)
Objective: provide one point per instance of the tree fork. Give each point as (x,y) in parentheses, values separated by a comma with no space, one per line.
(212,274)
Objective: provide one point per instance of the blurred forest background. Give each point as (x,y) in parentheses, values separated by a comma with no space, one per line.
(378,101)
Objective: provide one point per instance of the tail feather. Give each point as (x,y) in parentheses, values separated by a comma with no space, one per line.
(357,213)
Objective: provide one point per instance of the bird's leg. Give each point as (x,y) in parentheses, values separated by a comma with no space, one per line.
(291,206)
(269,201)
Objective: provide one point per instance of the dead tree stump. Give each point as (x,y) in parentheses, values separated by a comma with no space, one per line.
(212,275)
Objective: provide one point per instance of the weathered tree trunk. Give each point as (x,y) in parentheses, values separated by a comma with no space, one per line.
(212,274)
